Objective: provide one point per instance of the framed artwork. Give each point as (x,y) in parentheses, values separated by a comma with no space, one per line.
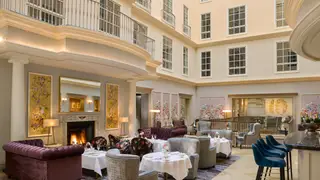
(278,106)
(112,106)
(39,103)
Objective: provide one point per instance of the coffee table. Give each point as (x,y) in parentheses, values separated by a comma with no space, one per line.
(94,160)
(176,164)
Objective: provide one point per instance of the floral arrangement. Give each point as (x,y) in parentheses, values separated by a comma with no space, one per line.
(310,114)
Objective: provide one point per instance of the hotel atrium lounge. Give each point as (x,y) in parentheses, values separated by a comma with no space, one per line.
(159,89)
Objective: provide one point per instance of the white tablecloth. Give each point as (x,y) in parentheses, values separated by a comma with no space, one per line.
(177,164)
(94,160)
(222,145)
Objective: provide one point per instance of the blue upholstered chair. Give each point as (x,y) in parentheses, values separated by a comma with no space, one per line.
(276,145)
(269,150)
(264,161)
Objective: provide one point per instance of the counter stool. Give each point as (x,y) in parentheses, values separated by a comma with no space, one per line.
(271,141)
(269,162)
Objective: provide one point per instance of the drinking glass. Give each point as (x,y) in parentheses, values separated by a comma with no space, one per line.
(98,147)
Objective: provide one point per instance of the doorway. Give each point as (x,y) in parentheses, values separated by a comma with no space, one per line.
(142,109)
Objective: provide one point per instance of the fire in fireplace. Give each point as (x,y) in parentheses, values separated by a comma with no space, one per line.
(80,132)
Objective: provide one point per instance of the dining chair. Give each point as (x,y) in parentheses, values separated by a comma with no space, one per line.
(101,142)
(140,147)
(113,140)
(126,167)
(191,147)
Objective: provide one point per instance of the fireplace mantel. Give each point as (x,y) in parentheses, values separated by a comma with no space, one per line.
(78,117)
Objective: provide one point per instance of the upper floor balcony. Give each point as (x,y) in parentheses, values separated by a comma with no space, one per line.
(169,18)
(145,4)
(101,17)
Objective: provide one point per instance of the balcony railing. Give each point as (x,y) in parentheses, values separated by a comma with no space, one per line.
(145,4)
(169,18)
(186,30)
(86,14)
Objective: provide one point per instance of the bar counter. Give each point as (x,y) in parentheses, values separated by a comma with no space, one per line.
(308,146)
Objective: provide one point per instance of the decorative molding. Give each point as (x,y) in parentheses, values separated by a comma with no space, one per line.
(263,95)
(285,32)
(291,9)
(305,37)
(11,19)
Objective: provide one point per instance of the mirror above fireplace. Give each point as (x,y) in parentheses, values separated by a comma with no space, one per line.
(77,95)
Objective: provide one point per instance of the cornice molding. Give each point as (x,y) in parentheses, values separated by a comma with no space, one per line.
(242,82)
(282,33)
(291,9)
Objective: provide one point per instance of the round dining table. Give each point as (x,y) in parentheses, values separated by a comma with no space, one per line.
(175,163)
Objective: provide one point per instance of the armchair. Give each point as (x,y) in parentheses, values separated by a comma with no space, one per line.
(126,167)
(192,148)
(250,137)
(207,156)
(99,141)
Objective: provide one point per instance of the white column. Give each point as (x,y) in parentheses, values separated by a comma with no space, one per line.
(132,108)
(18,115)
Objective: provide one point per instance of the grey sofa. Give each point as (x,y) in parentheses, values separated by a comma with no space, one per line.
(126,167)
(191,147)
(249,138)
(207,156)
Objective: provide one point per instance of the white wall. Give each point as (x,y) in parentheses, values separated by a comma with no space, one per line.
(260,62)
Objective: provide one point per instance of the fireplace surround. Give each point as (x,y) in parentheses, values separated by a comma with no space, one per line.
(80,132)
(86,121)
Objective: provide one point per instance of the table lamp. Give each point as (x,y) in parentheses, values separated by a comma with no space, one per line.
(51,123)
(154,111)
(124,121)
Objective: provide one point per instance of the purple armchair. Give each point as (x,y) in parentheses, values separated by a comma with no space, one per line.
(29,160)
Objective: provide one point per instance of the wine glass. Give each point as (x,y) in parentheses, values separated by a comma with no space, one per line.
(155,136)
(98,147)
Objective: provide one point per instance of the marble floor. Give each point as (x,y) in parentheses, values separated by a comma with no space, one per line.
(245,168)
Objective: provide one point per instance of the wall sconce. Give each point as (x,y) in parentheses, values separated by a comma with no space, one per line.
(89,101)
(64,99)
(226,111)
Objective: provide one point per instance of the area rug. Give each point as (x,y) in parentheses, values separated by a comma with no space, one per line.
(203,174)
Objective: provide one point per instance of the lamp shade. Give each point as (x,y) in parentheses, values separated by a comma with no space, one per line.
(124,119)
(226,111)
(50,122)
(155,110)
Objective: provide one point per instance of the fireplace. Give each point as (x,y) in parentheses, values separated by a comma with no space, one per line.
(80,132)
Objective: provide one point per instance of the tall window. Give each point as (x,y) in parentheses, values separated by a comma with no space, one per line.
(237,20)
(206,64)
(185,61)
(110,17)
(286,59)
(185,15)
(280,18)
(167,6)
(237,61)
(140,35)
(167,13)
(205,26)
(167,53)
(49,11)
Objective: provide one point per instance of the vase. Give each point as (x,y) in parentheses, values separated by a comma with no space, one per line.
(165,154)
